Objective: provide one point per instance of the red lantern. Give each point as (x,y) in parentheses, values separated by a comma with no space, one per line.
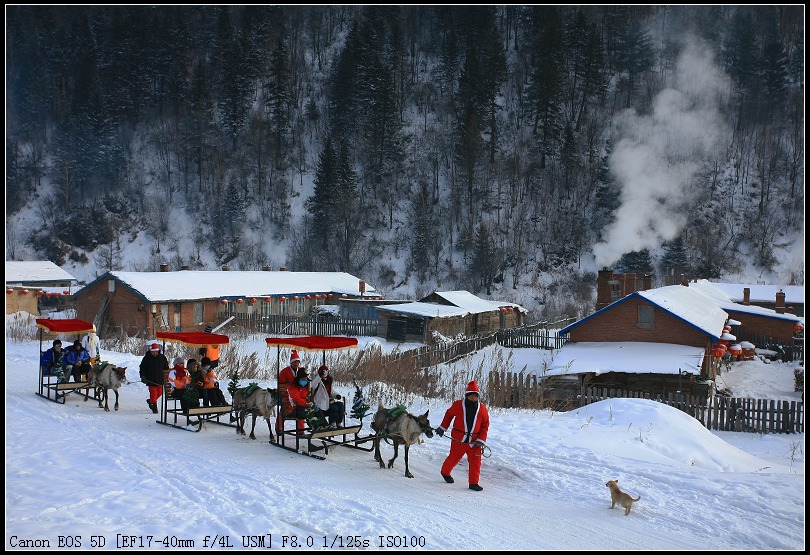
(39,294)
(295,297)
(49,294)
(9,291)
(735,350)
(24,291)
(308,297)
(239,301)
(344,296)
(317,296)
(329,296)
(717,352)
(252,300)
(223,302)
(66,292)
(268,300)
(798,327)
(282,299)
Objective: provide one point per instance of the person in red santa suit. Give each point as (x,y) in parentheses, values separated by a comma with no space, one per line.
(470,420)
(285,378)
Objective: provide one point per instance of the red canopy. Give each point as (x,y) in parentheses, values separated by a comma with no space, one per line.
(313,342)
(69,325)
(193,338)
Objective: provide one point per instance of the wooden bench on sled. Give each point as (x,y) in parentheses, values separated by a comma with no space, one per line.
(52,389)
(196,416)
(348,436)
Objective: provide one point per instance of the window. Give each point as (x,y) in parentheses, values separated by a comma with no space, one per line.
(299,305)
(199,312)
(646,317)
(111,285)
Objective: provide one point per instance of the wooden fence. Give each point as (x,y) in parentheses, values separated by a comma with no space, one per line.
(727,414)
(278,324)
(730,414)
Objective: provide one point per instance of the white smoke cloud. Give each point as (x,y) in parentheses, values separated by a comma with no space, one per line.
(658,154)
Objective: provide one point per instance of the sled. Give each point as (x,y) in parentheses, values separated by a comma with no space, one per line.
(307,441)
(50,385)
(171,411)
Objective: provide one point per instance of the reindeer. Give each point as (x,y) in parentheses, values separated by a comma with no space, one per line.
(105,378)
(260,402)
(403,429)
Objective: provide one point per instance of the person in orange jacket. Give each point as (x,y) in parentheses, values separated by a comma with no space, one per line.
(470,419)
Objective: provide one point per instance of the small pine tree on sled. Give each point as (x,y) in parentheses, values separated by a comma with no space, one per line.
(233,385)
(359,407)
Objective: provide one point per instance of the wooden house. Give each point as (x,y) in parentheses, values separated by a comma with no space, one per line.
(446,313)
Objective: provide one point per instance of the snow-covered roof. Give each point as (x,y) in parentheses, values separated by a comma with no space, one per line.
(464,303)
(690,305)
(722,299)
(419,308)
(35,271)
(470,302)
(190,284)
(626,356)
(794,294)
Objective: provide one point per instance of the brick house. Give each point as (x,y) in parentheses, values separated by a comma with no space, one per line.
(690,315)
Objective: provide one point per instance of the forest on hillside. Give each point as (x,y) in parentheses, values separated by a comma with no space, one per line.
(472,146)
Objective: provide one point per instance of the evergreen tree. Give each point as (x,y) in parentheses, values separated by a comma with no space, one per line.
(634,54)
(674,261)
(635,262)
(544,94)
(319,205)
(360,408)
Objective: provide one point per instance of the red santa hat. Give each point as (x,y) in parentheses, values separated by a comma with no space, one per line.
(472,387)
(294,356)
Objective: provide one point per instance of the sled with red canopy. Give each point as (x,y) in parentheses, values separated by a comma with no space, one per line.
(345,435)
(51,384)
(171,408)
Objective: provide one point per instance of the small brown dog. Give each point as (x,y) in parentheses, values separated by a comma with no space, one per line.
(618,496)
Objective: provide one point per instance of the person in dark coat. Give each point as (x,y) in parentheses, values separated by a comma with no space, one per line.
(153,365)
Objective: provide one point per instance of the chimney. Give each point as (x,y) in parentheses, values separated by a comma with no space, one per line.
(362,287)
(283,269)
(603,288)
(267,268)
(164,267)
(746,296)
(780,302)
(647,282)
(185,267)
(226,268)
(628,284)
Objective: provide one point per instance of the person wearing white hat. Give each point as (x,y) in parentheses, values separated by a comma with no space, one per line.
(470,420)
(152,367)
(93,346)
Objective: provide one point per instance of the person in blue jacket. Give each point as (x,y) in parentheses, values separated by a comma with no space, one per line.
(77,361)
(52,357)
